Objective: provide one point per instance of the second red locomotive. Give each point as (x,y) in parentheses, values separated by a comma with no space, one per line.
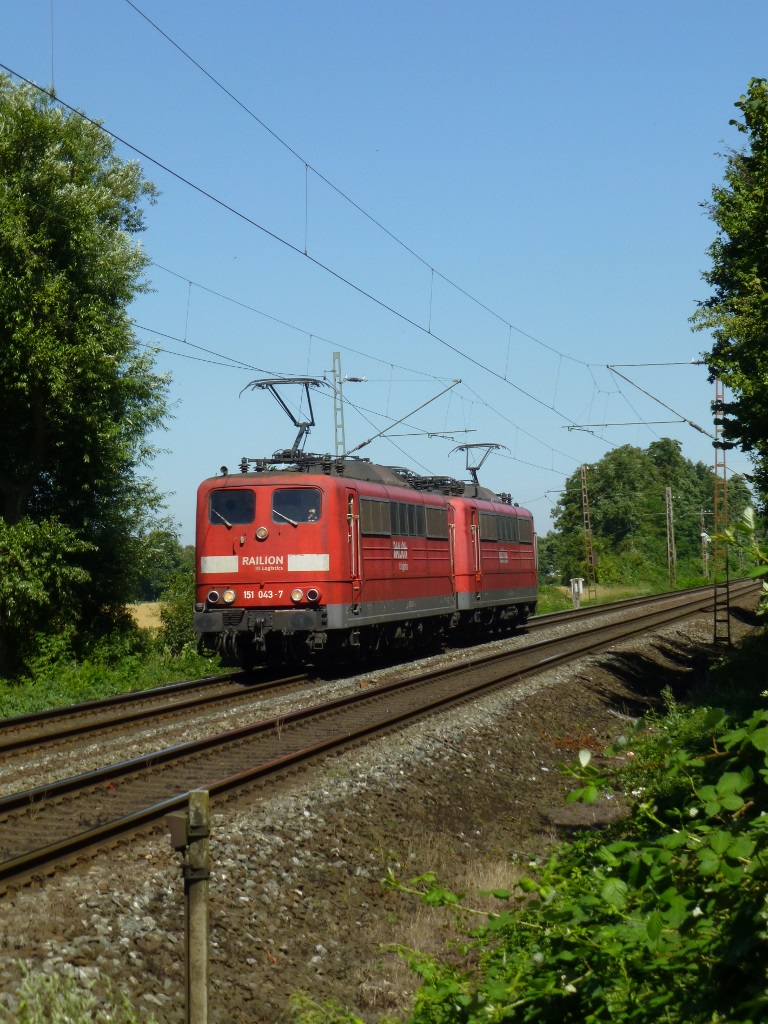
(325,557)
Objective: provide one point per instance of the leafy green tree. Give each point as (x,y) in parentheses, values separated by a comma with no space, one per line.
(737,311)
(79,397)
(628,515)
(164,556)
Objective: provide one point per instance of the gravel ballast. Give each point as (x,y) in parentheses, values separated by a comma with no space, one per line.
(296,899)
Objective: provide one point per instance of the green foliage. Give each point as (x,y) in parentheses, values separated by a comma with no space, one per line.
(743,534)
(628,517)
(552,599)
(737,311)
(66,682)
(304,1010)
(663,917)
(162,557)
(79,398)
(177,634)
(51,999)
(39,580)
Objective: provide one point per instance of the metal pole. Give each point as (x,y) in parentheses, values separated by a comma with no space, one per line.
(671,552)
(722,605)
(340,444)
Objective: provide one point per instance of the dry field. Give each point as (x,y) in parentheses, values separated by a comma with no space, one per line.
(147,615)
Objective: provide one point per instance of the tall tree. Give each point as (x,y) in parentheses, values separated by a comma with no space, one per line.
(737,311)
(79,398)
(628,514)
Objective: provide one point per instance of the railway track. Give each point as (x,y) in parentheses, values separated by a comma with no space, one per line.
(55,727)
(44,826)
(58,725)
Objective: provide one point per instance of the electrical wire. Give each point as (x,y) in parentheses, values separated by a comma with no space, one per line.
(275,237)
(463,354)
(347,198)
(290,326)
(317,337)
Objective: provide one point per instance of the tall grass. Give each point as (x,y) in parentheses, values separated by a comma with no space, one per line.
(60,683)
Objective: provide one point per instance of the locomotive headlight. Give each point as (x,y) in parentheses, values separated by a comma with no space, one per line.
(262,533)
(313,595)
(296,595)
(213,596)
(229,596)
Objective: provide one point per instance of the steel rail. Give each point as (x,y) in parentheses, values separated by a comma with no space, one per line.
(15,732)
(22,741)
(88,706)
(535,654)
(586,611)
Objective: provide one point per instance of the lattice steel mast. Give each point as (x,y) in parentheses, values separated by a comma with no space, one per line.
(722,608)
(589,551)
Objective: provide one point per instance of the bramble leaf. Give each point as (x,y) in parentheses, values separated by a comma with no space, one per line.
(615,892)
(709,862)
(654,926)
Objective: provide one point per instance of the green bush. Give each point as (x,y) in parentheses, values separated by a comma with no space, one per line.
(176,633)
(662,918)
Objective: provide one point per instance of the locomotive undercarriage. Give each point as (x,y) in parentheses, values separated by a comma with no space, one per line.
(254,640)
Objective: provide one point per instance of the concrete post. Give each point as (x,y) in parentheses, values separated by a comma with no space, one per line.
(577,587)
(189,834)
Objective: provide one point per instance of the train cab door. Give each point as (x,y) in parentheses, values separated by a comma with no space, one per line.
(451,513)
(355,554)
(477,561)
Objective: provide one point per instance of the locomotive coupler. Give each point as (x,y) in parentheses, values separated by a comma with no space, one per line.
(317,641)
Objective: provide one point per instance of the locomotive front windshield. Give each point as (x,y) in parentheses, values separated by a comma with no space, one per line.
(296,505)
(232,507)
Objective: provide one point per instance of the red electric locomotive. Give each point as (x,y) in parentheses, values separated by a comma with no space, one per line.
(323,557)
(494,562)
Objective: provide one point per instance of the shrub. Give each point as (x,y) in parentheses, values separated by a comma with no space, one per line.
(176,633)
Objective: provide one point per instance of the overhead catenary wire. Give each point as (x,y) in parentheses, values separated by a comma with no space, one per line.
(293,327)
(690,423)
(237,365)
(283,241)
(365,355)
(457,350)
(310,167)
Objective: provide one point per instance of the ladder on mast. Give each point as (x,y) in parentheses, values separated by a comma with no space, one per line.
(721,603)
(589,551)
(340,445)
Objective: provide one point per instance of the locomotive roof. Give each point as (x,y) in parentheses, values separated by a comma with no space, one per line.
(286,464)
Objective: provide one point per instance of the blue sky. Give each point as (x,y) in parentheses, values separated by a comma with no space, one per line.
(525,180)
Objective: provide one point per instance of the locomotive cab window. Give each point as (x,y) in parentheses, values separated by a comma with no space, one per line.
(296,505)
(230,507)
(526,531)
